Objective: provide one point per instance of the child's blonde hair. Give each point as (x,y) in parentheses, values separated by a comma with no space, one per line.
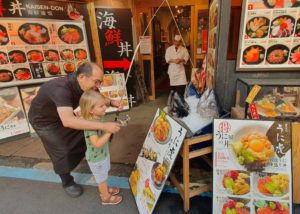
(88,102)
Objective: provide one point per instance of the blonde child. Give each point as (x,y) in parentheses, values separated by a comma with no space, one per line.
(92,107)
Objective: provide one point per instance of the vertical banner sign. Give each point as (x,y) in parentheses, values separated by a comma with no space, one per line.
(252,167)
(155,161)
(115,35)
(213,35)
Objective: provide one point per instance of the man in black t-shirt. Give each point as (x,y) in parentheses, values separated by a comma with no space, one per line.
(52,116)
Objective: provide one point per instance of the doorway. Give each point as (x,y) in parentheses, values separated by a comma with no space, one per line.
(164,30)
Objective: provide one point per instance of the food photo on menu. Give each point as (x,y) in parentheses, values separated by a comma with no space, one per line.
(274,207)
(3,58)
(70,34)
(22,74)
(234,182)
(4,39)
(34,33)
(273,185)
(230,205)
(295,55)
(257,27)
(6,75)
(10,106)
(254,55)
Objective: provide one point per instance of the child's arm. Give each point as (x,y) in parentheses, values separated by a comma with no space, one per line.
(97,141)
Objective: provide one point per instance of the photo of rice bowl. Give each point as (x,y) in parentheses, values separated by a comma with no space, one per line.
(257,27)
(272,185)
(295,55)
(254,55)
(282,26)
(236,182)
(277,54)
(252,148)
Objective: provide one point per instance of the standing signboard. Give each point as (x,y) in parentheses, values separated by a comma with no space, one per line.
(213,35)
(252,167)
(269,36)
(155,161)
(115,36)
(12,117)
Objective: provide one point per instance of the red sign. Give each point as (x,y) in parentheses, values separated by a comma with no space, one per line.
(253,111)
(125,64)
(204,40)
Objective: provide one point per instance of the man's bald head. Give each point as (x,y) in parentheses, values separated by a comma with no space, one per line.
(89,76)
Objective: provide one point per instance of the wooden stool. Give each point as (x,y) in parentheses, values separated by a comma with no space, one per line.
(186,154)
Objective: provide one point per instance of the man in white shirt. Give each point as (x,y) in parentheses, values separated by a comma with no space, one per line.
(176,56)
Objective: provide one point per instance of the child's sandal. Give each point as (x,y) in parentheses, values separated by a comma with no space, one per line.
(112,200)
(114,190)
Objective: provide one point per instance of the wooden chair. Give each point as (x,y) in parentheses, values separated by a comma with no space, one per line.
(186,154)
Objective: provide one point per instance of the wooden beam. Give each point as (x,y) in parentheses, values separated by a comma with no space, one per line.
(296,161)
(199,139)
(200,152)
(94,31)
(207,160)
(177,184)
(199,190)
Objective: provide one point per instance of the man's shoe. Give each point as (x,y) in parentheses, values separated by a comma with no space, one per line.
(74,190)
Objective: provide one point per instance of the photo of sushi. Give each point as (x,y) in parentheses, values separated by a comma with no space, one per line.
(277,54)
(254,55)
(282,26)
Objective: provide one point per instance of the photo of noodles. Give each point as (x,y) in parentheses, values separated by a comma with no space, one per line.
(253,151)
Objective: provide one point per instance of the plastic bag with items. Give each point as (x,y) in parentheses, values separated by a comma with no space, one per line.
(177,106)
(207,106)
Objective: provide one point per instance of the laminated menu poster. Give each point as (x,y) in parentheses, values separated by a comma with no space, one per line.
(12,117)
(155,161)
(114,88)
(213,35)
(269,35)
(252,167)
(33,49)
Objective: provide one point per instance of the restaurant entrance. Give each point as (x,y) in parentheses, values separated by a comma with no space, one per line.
(164,30)
(185,19)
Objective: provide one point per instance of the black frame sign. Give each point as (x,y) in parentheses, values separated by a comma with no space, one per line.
(269,36)
(41,9)
(115,36)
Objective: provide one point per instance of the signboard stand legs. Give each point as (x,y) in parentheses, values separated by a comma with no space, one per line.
(185,191)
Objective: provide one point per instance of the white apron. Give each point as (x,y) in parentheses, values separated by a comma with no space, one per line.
(176,71)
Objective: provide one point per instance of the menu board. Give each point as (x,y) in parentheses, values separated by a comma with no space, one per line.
(35,48)
(252,167)
(27,95)
(213,31)
(155,161)
(12,117)
(269,35)
(114,88)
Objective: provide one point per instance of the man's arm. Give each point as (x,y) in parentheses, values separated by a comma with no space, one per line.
(69,120)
